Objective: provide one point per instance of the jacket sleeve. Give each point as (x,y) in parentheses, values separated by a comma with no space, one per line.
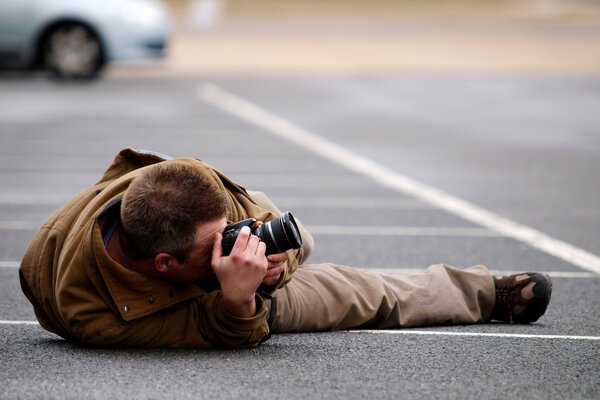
(297,256)
(200,323)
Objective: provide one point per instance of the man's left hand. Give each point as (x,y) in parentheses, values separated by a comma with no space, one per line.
(276,266)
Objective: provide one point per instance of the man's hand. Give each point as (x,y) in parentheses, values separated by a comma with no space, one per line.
(276,266)
(241,272)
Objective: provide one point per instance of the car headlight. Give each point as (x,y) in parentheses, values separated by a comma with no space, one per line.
(141,12)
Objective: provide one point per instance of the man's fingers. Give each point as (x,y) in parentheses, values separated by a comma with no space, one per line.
(253,244)
(246,246)
(261,249)
(272,276)
(278,257)
(271,272)
(217,250)
(241,242)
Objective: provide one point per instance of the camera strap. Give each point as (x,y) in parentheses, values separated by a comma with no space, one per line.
(272,312)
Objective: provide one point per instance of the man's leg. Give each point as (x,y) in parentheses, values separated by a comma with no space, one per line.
(330,297)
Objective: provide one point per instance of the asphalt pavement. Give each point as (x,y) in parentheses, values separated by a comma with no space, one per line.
(417,159)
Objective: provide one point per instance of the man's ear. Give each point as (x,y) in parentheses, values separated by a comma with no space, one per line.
(163,262)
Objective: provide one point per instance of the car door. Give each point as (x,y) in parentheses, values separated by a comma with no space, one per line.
(12,30)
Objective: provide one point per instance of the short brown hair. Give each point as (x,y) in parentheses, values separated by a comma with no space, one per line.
(162,208)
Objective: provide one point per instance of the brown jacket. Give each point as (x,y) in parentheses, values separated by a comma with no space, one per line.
(81,294)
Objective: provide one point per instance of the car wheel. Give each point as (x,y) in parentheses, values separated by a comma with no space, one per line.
(73,51)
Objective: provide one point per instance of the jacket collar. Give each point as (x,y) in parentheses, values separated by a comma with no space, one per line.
(135,294)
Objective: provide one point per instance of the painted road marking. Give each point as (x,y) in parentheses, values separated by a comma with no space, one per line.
(408,271)
(28,199)
(361,230)
(356,230)
(367,203)
(389,178)
(302,181)
(9,264)
(417,332)
(476,334)
(19,225)
(553,274)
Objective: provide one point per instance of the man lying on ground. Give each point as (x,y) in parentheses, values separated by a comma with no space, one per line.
(138,260)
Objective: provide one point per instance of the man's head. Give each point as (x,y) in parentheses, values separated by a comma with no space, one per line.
(163,209)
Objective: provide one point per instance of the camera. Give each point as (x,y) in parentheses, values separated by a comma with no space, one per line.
(279,235)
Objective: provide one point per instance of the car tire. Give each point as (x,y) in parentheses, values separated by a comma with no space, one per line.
(72,51)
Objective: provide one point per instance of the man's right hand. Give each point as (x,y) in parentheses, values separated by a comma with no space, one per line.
(240,273)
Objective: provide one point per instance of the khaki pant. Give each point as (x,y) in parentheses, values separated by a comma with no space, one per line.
(328,297)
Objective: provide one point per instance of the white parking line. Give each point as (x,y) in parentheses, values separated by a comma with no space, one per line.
(475,334)
(351,202)
(9,264)
(408,271)
(19,225)
(302,181)
(289,201)
(399,231)
(32,199)
(316,144)
(553,274)
(417,332)
(339,230)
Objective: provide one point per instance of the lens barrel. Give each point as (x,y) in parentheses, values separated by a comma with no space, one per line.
(279,235)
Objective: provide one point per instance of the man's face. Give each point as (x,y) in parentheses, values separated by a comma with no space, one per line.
(197,265)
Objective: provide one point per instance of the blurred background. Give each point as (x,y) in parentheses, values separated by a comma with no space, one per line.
(384,36)
(348,36)
(314,36)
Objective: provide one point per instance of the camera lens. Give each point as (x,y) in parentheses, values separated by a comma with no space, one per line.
(280,234)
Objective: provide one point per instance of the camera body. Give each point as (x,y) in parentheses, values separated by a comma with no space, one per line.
(279,235)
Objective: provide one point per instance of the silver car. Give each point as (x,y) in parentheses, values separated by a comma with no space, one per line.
(76,38)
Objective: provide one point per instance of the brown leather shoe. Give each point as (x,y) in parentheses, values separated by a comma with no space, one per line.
(521,298)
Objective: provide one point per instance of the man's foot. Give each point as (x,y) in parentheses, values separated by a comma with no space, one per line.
(521,298)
